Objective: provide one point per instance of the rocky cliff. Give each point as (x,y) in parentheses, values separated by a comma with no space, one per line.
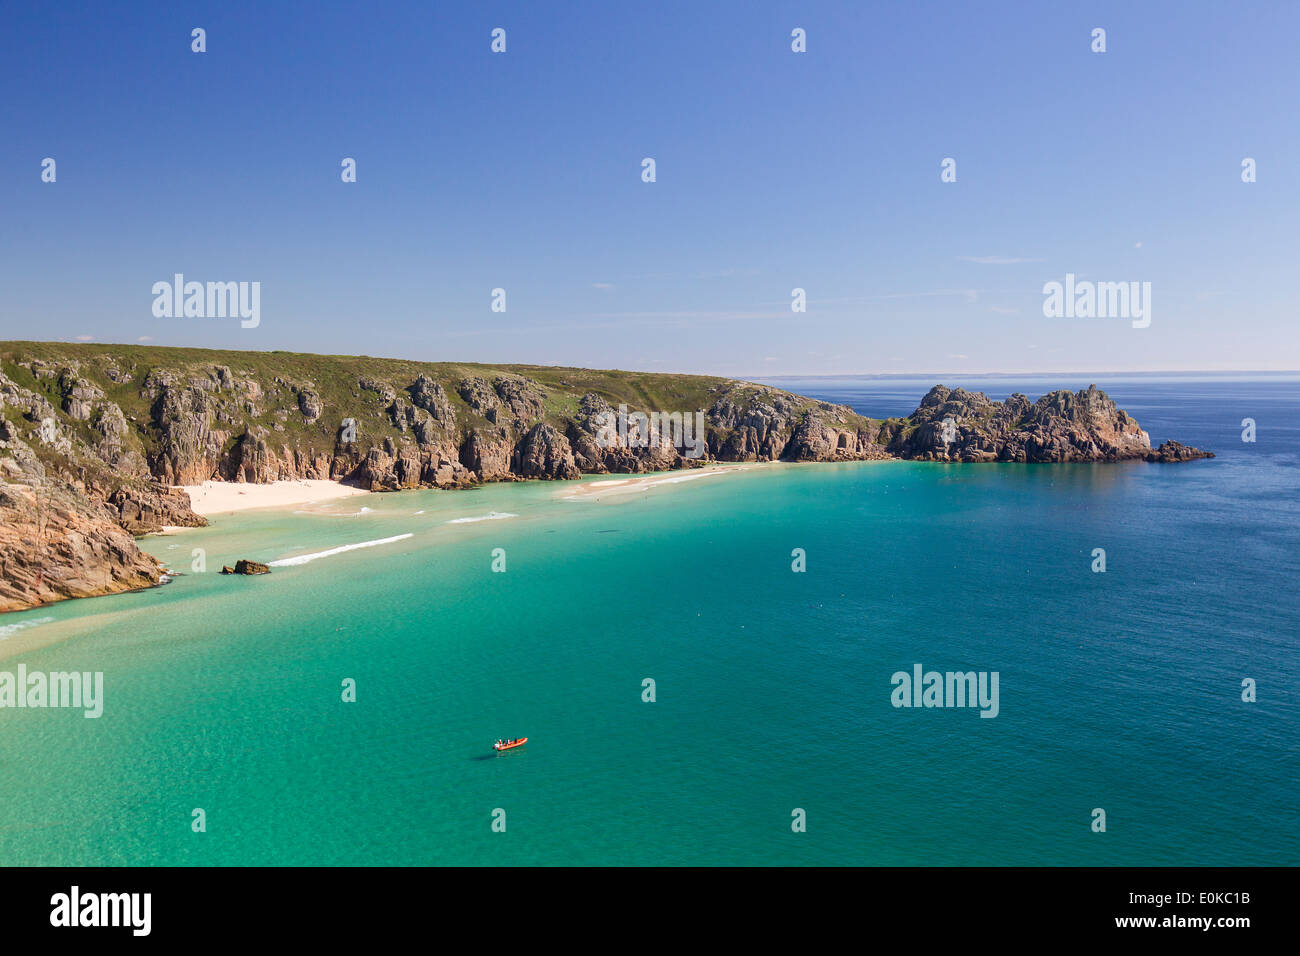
(957,425)
(93,438)
(57,540)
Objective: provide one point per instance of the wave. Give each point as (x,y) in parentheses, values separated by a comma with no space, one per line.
(490,516)
(304,558)
(8,630)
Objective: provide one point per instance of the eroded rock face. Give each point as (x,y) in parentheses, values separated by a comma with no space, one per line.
(759,433)
(488,453)
(253,460)
(442,468)
(189,448)
(481,398)
(29,404)
(430,396)
(523,398)
(390,468)
(402,414)
(310,404)
(56,543)
(601,446)
(79,395)
(956,425)
(544,453)
(768,424)
(820,437)
(589,453)
(150,506)
(385,391)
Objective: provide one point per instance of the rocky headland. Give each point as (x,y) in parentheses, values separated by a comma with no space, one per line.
(95,439)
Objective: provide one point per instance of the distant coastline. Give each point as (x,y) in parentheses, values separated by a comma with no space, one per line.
(100,443)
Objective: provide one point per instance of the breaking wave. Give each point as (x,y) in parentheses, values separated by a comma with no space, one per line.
(8,630)
(490,516)
(305,558)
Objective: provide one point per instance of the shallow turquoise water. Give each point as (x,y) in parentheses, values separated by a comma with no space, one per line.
(1118,690)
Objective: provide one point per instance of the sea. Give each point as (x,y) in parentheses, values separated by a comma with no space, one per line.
(708,671)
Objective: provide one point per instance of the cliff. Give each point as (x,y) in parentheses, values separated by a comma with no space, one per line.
(1085,426)
(94,437)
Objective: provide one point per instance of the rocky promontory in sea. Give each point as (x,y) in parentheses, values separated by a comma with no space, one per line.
(94,438)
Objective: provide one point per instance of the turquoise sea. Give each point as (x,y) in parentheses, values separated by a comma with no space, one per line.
(1119,691)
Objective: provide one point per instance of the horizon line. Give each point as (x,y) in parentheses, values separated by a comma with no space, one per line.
(1026,372)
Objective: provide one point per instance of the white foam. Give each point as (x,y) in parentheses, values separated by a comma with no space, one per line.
(677,478)
(8,630)
(490,516)
(304,558)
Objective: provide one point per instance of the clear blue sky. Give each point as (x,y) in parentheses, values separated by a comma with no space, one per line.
(775,170)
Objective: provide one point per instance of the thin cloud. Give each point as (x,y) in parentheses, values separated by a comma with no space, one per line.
(620,320)
(971,294)
(998,260)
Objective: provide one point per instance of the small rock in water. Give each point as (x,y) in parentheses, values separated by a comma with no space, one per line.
(243,566)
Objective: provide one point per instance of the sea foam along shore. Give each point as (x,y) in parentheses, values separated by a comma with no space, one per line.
(223,497)
(640,483)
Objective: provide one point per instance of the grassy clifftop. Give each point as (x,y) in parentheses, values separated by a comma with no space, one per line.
(181,415)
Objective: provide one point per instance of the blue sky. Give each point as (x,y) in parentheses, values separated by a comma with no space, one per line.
(775,170)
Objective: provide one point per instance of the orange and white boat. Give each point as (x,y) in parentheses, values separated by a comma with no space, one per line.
(509,744)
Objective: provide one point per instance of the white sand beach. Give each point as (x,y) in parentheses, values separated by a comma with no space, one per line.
(224,497)
(641,483)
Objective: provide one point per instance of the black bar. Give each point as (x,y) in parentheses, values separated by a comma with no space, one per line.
(928,905)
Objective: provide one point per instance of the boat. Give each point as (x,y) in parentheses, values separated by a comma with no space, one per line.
(509,744)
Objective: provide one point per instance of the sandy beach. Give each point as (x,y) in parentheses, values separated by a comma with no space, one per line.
(641,483)
(224,497)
